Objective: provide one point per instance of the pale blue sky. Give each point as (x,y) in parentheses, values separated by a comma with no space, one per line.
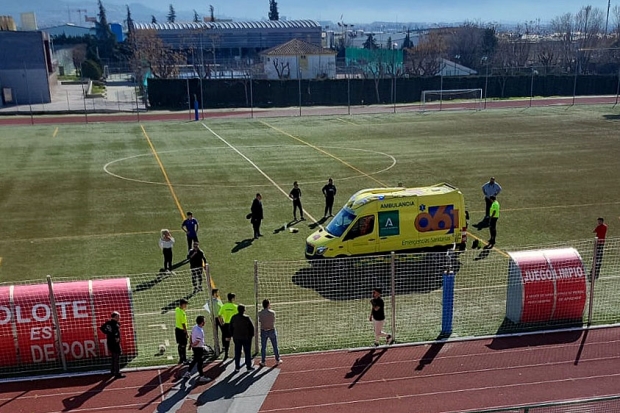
(366,11)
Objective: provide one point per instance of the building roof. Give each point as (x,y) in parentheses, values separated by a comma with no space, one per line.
(297,47)
(265,24)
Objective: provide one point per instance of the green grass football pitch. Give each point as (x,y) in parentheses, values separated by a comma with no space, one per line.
(80,201)
(90,199)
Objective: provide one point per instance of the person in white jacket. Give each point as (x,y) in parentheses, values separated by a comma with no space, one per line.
(166,242)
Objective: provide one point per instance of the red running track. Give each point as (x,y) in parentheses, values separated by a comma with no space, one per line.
(452,377)
(433,378)
(244,113)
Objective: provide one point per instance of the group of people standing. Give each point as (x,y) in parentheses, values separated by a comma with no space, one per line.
(195,255)
(234,325)
(256,210)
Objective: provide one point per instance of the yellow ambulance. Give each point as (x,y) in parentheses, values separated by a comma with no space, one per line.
(382,220)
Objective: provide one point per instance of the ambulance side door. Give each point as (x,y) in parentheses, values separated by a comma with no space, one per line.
(362,236)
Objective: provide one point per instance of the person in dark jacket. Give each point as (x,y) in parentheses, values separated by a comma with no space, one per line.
(242,330)
(257,215)
(197,260)
(329,191)
(295,195)
(112,331)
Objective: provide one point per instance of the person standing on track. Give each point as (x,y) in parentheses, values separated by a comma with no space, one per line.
(227,311)
(267,321)
(377,316)
(295,195)
(112,331)
(197,344)
(180,329)
(329,191)
(190,226)
(242,330)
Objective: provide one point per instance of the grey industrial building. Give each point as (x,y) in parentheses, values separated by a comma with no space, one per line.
(26,69)
(234,39)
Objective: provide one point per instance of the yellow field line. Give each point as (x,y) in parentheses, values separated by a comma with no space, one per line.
(55,132)
(0,260)
(163,171)
(170,187)
(324,152)
(86,236)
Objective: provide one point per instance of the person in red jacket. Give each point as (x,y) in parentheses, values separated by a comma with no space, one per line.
(601,232)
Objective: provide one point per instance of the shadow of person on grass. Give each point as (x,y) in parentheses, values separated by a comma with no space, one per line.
(288,224)
(242,244)
(482,255)
(174,304)
(315,225)
(75,402)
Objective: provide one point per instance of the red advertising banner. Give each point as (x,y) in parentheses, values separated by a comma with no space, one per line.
(545,285)
(570,284)
(27,320)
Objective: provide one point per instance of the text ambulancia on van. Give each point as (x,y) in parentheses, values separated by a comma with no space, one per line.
(382,220)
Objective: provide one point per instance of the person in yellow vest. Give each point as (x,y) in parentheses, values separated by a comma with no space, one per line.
(180,330)
(494,216)
(227,311)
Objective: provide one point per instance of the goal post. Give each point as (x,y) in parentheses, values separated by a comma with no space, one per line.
(468,99)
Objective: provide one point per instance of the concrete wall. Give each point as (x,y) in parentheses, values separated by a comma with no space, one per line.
(25,66)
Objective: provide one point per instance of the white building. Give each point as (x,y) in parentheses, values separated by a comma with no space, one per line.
(298,59)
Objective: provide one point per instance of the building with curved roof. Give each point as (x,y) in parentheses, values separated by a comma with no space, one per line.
(234,38)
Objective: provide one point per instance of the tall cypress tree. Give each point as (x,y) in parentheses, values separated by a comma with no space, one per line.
(172,15)
(273,10)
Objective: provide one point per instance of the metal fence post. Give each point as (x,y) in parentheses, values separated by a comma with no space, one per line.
(593,275)
(216,340)
(393,292)
(256,328)
(58,340)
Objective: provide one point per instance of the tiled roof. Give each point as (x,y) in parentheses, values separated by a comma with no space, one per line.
(296,47)
(265,24)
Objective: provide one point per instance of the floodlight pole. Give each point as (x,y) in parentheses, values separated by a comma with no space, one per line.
(532,87)
(486,79)
(299,82)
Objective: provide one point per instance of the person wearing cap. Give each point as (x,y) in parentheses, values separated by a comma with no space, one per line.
(180,329)
(112,331)
(197,260)
(190,226)
(494,216)
(490,189)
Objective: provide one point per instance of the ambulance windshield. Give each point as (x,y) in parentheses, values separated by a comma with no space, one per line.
(341,222)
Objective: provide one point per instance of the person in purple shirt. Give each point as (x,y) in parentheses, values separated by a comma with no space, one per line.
(190,226)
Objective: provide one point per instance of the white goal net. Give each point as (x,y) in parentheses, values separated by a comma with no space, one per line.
(468,99)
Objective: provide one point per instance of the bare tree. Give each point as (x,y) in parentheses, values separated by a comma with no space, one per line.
(78,56)
(563,28)
(589,22)
(283,69)
(547,55)
(425,58)
(150,53)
